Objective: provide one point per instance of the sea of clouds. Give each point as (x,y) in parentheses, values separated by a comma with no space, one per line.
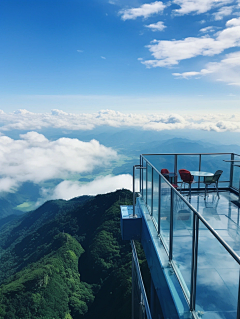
(25,120)
(34,158)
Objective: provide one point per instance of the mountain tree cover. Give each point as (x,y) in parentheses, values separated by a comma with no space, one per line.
(66,260)
(49,288)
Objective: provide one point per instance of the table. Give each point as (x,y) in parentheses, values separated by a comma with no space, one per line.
(170,176)
(201,174)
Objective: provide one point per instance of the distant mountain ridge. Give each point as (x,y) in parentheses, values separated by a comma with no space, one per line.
(183,145)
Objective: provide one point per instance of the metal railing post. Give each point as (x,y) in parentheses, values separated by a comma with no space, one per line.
(133,297)
(159,202)
(171,227)
(231,170)
(140,182)
(133,190)
(152,194)
(238,305)
(146,180)
(199,168)
(194,261)
(175,168)
(143,174)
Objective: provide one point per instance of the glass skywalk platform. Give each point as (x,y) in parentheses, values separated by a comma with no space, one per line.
(192,244)
(217,272)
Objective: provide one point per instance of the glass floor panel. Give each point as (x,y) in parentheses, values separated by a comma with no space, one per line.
(217,271)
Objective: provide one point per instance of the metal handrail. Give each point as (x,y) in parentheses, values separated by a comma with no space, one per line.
(189,154)
(135,258)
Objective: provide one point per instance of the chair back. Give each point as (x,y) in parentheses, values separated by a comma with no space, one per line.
(186,176)
(164,171)
(217,175)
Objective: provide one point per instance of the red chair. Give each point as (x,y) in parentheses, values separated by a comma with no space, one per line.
(165,172)
(187,178)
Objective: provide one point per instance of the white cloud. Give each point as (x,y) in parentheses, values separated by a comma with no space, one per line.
(222,12)
(187,75)
(80,51)
(227,70)
(103,57)
(208,123)
(159,26)
(235,22)
(38,144)
(145,10)
(24,120)
(8,184)
(23,112)
(198,6)
(34,158)
(169,53)
(101,185)
(57,112)
(208,29)
(173,121)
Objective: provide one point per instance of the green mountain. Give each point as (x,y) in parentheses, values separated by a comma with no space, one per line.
(67,260)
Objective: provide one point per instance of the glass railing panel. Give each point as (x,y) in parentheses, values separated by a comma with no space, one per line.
(165,211)
(217,278)
(144,180)
(182,240)
(140,306)
(212,163)
(149,187)
(162,161)
(137,180)
(236,172)
(189,162)
(140,175)
(155,195)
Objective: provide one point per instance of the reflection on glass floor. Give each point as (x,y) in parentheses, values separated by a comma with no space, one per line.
(217,271)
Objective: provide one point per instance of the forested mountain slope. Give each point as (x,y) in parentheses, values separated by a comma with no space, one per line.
(67,260)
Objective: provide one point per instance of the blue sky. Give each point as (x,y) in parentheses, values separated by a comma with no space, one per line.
(75,65)
(131,56)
